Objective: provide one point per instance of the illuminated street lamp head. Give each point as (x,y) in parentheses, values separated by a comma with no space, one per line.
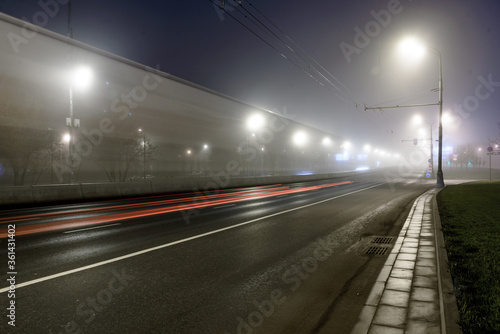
(326,141)
(417,119)
(81,77)
(299,138)
(411,49)
(367,148)
(346,145)
(255,122)
(66,138)
(447,118)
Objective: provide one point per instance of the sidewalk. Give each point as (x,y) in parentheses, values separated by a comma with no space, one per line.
(413,292)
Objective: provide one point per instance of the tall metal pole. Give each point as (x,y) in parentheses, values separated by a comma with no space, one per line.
(432,152)
(440,177)
(144,154)
(71,136)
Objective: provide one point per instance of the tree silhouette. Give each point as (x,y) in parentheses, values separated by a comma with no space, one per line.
(23,134)
(122,149)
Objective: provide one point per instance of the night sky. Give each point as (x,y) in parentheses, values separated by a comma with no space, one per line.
(196,41)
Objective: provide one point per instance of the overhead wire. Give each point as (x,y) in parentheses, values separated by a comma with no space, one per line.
(266,42)
(300,48)
(261,25)
(285,44)
(305,61)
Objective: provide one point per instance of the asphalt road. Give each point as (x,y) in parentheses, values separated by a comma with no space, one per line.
(276,259)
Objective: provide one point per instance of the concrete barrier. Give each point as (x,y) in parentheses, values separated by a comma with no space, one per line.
(15,195)
(56,193)
(100,190)
(135,188)
(88,191)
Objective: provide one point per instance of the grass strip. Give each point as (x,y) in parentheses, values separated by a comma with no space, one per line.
(470,216)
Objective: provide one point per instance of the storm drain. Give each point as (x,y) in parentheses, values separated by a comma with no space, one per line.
(382,240)
(377,250)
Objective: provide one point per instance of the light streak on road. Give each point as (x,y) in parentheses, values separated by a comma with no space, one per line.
(72,222)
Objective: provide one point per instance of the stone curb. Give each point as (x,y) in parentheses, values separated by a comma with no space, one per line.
(450,308)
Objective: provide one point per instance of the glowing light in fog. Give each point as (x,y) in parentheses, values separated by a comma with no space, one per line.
(81,77)
(66,138)
(346,145)
(447,118)
(299,138)
(417,120)
(411,49)
(255,122)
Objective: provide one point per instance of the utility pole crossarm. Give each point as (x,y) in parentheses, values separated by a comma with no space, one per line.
(402,106)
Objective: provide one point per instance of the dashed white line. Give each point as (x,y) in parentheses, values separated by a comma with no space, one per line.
(223,206)
(91,228)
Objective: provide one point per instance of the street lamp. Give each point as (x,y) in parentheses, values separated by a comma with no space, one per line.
(254,123)
(346,145)
(143,154)
(417,119)
(299,138)
(66,137)
(412,47)
(80,78)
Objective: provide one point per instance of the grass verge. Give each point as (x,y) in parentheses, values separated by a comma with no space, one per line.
(470,216)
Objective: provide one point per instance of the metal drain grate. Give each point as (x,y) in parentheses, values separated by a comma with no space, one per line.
(377,250)
(382,240)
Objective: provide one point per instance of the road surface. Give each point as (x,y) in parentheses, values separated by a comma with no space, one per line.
(271,259)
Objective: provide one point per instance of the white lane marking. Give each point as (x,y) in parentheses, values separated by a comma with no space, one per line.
(223,206)
(123,257)
(92,228)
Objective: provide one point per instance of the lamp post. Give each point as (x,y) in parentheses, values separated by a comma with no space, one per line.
(411,47)
(143,154)
(418,50)
(80,78)
(254,123)
(327,143)
(440,177)
(299,140)
(418,119)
